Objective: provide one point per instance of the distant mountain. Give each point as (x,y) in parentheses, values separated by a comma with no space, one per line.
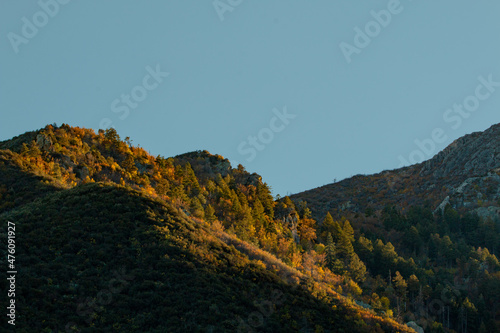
(110,238)
(465,174)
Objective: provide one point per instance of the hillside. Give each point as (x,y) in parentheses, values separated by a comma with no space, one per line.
(106,258)
(110,238)
(442,215)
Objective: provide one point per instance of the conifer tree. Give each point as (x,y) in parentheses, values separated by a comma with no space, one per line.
(210,214)
(357,269)
(400,286)
(332,262)
(344,245)
(327,226)
(34,150)
(364,248)
(196,208)
(24,149)
(348,230)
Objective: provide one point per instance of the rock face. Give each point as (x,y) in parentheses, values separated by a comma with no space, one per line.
(414,325)
(254,179)
(89,158)
(291,220)
(443,205)
(223,167)
(470,156)
(490,212)
(479,194)
(82,172)
(44,142)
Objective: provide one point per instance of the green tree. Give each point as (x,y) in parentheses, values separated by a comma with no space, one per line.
(364,248)
(112,139)
(332,262)
(357,269)
(196,208)
(210,214)
(468,311)
(400,287)
(34,150)
(392,219)
(412,239)
(190,181)
(348,231)
(266,199)
(326,226)
(344,246)
(129,163)
(389,255)
(413,287)
(25,149)
(451,218)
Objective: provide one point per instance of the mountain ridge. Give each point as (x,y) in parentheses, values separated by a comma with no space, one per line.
(370,255)
(473,155)
(89,205)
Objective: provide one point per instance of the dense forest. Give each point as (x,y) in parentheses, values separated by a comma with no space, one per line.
(201,246)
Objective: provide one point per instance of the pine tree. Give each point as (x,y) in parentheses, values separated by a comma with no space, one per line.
(348,230)
(128,163)
(364,248)
(330,250)
(327,226)
(25,149)
(332,262)
(34,150)
(389,255)
(196,208)
(266,199)
(413,286)
(190,181)
(357,269)
(400,289)
(210,214)
(344,245)
(112,139)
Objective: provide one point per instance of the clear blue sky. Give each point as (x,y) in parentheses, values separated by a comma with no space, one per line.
(227,76)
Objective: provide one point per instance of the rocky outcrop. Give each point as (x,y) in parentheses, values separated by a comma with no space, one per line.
(82,172)
(223,167)
(89,158)
(44,142)
(292,221)
(470,156)
(481,194)
(487,213)
(65,160)
(254,179)
(414,325)
(442,205)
